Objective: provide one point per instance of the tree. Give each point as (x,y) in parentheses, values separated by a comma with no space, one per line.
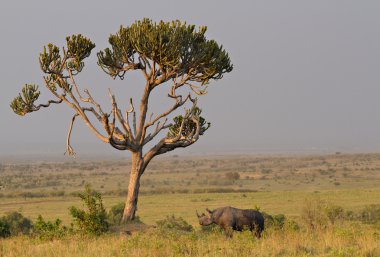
(171,53)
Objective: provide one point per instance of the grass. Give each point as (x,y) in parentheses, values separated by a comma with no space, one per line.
(153,207)
(276,184)
(348,241)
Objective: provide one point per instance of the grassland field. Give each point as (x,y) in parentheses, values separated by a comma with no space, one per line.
(180,185)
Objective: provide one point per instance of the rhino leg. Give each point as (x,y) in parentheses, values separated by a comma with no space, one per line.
(256,231)
(228,231)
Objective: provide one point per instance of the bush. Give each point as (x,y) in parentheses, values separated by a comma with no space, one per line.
(4,229)
(17,223)
(212,228)
(116,213)
(93,220)
(334,213)
(312,214)
(279,221)
(318,214)
(370,214)
(232,176)
(173,223)
(48,229)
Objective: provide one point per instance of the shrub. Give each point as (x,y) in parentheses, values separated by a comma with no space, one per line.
(232,176)
(318,214)
(17,223)
(93,220)
(4,229)
(370,214)
(48,229)
(312,214)
(334,213)
(173,223)
(279,221)
(212,228)
(116,213)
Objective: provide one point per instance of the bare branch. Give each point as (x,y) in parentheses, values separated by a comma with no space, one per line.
(69,149)
(76,87)
(156,131)
(91,109)
(91,100)
(36,108)
(196,89)
(113,112)
(127,112)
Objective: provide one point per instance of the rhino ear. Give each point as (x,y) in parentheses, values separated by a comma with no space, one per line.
(209,211)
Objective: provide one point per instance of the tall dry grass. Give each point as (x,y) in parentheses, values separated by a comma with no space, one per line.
(349,239)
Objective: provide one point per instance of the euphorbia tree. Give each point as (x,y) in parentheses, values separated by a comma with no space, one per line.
(173,52)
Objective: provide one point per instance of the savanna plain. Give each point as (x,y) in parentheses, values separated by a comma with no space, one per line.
(314,205)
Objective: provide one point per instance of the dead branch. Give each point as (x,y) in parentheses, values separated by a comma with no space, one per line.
(69,149)
(92,101)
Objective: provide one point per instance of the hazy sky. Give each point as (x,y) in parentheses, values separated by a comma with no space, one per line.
(306,73)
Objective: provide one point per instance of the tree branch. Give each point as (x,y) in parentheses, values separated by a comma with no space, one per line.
(36,108)
(69,149)
(169,144)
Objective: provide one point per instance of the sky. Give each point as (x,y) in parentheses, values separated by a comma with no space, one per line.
(305,79)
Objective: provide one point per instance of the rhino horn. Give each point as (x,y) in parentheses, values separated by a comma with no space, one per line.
(197,214)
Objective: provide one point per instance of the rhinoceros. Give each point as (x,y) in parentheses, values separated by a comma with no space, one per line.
(230,218)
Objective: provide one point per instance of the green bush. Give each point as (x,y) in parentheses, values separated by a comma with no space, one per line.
(173,223)
(370,214)
(4,229)
(313,215)
(212,228)
(17,223)
(334,213)
(115,214)
(279,221)
(319,214)
(93,220)
(48,229)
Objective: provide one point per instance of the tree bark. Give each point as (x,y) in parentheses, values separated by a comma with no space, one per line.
(133,187)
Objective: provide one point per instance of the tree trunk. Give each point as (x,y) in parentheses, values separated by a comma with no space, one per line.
(133,187)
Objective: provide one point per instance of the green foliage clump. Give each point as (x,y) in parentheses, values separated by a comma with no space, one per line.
(174,224)
(115,215)
(279,222)
(93,220)
(78,48)
(175,46)
(370,214)
(49,229)
(17,224)
(212,228)
(319,214)
(50,59)
(24,103)
(189,126)
(334,213)
(4,229)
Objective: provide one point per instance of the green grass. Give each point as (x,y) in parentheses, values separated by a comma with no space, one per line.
(155,207)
